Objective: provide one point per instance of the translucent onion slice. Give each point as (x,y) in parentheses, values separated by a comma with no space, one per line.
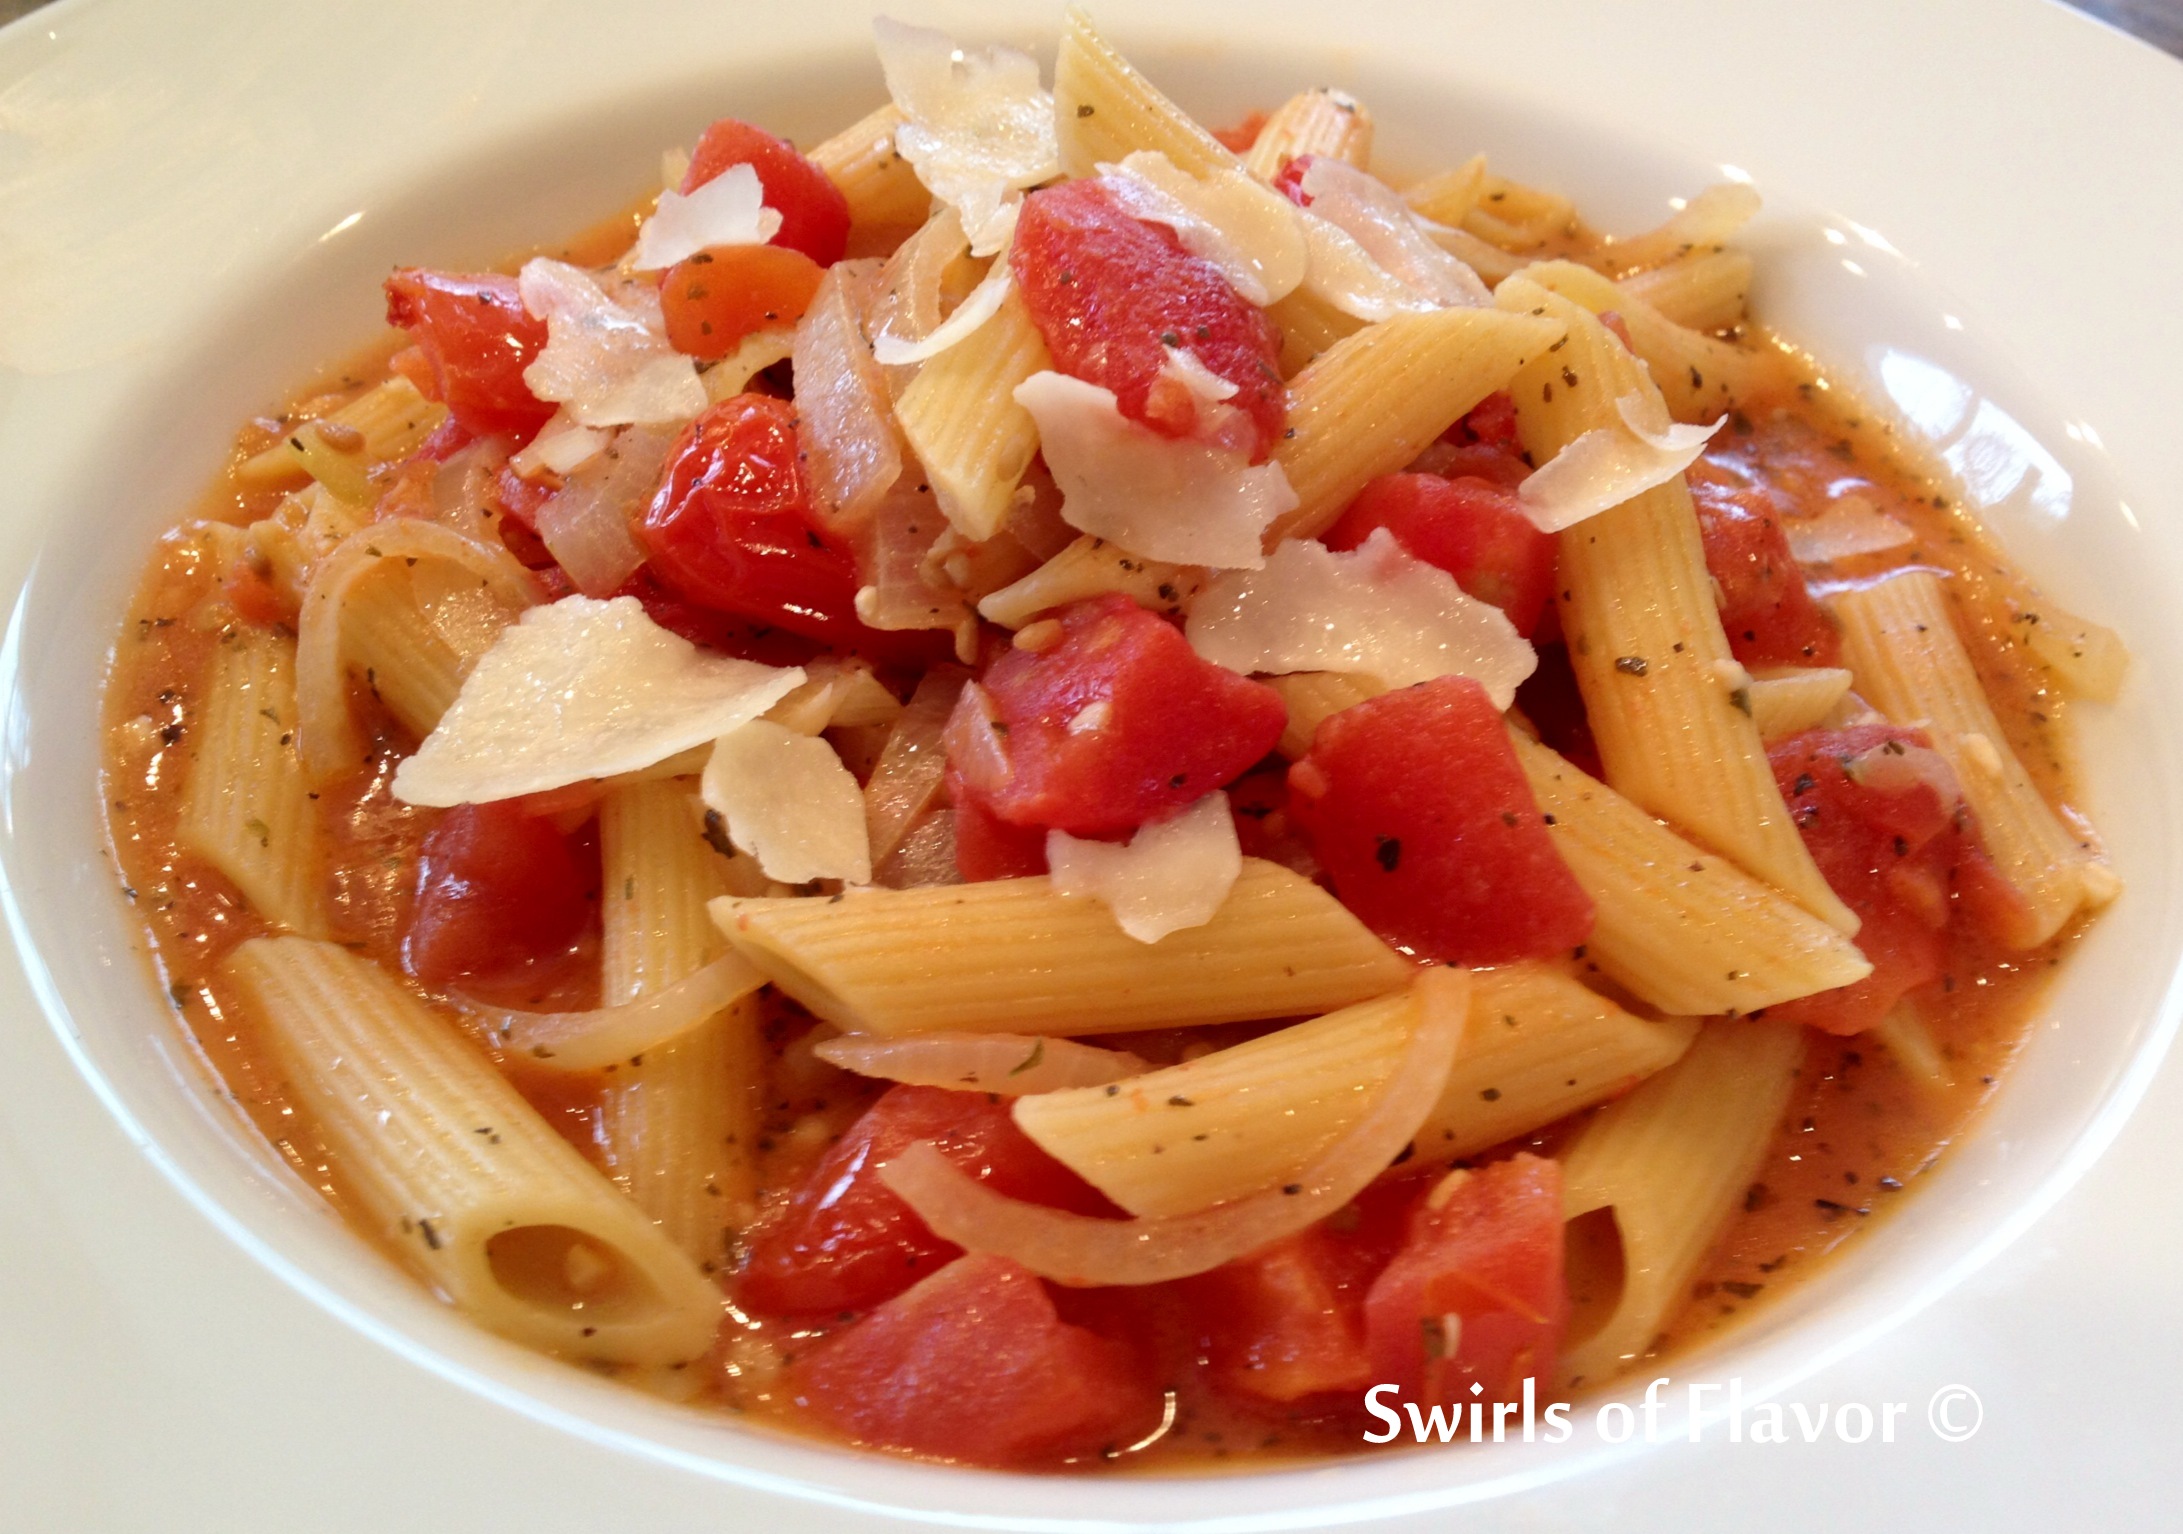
(1005,1064)
(907,778)
(1086,1252)
(588,526)
(576,1042)
(326,734)
(843,418)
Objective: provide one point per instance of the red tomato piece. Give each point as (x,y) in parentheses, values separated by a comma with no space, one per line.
(1472,528)
(988,847)
(1165,725)
(1239,138)
(475,338)
(1416,805)
(717,631)
(1113,296)
(1490,1257)
(717,297)
(496,889)
(1766,608)
(814,214)
(1879,811)
(255,599)
(845,1241)
(975,1365)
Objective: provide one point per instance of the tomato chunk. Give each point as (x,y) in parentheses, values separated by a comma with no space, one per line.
(1766,608)
(1114,296)
(474,339)
(1416,805)
(1477,1294)
(1881,814)
(496,889)
(988,847)
(975,1365)
(845,1241)
(1472,528)
(814,214)
(1120,723)
(717,297)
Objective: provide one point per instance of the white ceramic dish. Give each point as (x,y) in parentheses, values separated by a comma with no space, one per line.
(197,206)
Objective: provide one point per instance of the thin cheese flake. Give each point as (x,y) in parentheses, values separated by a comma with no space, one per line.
(1851,527)
(980,129)
(561,447)
(1387,231)
(789,803)
(727,210)
(979,305)
(1375,611)
(1239,224)
(1171,875)
(607,361)
(1176,499)
(582,689)
(1609,465)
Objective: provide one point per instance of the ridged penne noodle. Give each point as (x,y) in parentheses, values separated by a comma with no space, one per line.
(1705,290)
(1310,327)
(1678,928)
(1314,697)
(1911,1042)
(462,1178)
(1644,636)
(1372,403)
(1517,217)
(1899,638)
(679,1127)
(247,809)
(378,426)
(886,200)
(395,652)
(1228,1123)
(1536,1047)
(1321,122)
(1449,196)
(1011,956)
(1705,223)
(1104,110)
(1668,1164)
(1795,698)
(1086,568)
(1699,376)
(960,416)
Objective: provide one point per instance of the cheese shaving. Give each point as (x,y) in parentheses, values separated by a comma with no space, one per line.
(727,210)
(560,447)
(1851,527)
(1605,466)
(1381,227)
(980,304)
(980,129)
(608,362)
(1181,500)
(1375,611)
(1239,224)
(1172,874)
(581,689)
(789,803)
(1183,366)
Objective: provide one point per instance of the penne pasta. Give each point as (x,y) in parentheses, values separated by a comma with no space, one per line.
(1012,956)
(1666,1166)
(1086,568)
(1104,110)
(1313,697)
(1321,122)
(960,416)
(1702,225)
(1448,197)
(461,1178)
(1517,217)
(1899,638)
(1699,376)
(1795,698)
(1310,327)
(378,426)
(247,809)
(1660,686)
(1705,290)
(886,200)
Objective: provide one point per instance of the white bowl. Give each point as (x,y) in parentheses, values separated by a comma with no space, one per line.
(297,169)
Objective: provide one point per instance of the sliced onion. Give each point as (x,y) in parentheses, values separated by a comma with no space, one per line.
(588,526)
(1086,1252)
(897,595)
(974,743)
(925,858)
(592,1041)
(907,777)
(911,301)
(326,735)
(1005,1064)
(844,419)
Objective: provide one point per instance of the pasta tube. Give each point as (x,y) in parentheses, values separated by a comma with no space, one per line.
(960,416)
(1104,110)
(1331,123)
(886,200)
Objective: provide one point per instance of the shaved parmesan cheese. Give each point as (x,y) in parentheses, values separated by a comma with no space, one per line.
(979,305)
(1183,366)
(1850,527)
(581,689)
(1180,500)
(560,447)
(1171,875)
(727,210)
(1606,466)
(1376,611)
(1383,226)
(980,128)
(1343,275)
(1238,223)
(789,803)
(609,363)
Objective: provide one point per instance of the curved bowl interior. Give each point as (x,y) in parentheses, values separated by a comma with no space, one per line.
(1866,309)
